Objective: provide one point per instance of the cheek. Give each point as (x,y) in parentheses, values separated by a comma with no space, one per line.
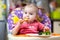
(24,15)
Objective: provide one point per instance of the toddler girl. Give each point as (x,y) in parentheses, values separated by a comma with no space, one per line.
(29,23)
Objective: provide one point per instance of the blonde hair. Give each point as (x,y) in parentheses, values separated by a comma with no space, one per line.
(32,6)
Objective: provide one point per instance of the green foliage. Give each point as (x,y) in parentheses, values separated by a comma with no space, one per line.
(45,33)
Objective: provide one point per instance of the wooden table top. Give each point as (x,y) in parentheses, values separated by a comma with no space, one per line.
(55,34)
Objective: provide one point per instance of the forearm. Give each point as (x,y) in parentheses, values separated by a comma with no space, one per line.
(16,29)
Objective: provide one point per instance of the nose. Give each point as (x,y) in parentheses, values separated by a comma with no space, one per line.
(27,15)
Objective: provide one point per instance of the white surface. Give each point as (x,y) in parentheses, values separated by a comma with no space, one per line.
(11,37)
(56,27)
(35,35)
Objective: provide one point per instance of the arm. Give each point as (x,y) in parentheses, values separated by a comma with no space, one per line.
(43,28)
(16,29)
(12,27)
(40,26)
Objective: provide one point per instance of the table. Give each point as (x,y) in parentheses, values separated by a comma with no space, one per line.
(25,37)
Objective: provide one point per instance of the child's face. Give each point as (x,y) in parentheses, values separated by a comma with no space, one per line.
(29,13)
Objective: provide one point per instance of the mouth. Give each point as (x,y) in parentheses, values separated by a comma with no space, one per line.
(26,19)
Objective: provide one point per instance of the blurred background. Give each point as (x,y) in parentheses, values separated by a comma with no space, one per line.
(52,7)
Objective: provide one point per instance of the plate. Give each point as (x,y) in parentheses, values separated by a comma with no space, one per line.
(37,35)
(33,34)
(44,35)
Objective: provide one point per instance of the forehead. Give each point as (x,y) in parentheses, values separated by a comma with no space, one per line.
(31,9)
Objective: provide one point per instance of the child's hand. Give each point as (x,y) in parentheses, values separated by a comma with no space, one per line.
(46,29)
(21,21)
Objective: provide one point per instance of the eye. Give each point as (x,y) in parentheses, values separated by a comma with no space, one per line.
(31,13)
(25,12)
